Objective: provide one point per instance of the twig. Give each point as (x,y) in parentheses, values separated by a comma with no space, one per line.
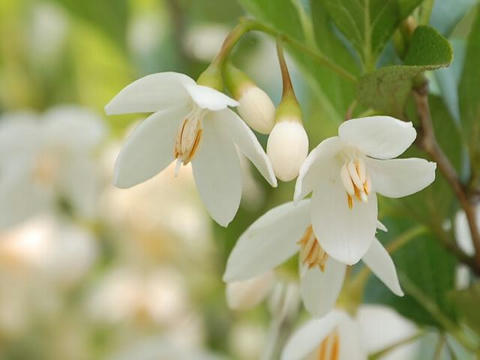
(381,353)
(429,143)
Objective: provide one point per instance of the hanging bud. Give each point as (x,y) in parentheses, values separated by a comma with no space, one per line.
(255,106)
(287,145)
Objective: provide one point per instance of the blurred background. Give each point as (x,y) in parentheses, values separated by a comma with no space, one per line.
(94,272)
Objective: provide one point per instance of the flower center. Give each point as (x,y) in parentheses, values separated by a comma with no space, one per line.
(311,253)
(45,169)
(188,137)
(355,180)
(329,349)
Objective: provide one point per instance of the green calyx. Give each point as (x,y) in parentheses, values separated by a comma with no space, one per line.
(211,77)
(288,109)
(236,80)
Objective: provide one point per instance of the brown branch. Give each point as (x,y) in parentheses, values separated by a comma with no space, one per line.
(429,143)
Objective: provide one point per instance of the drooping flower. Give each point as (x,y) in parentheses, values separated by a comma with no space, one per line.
(338,336)
(346,171)
(47,159)
(286,230)
(190,123)
(246,294)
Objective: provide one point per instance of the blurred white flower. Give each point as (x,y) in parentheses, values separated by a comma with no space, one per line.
(48,31)
(145,32)
(247,341)
(160,348)
(346,171)
(204,41)
(190,123)
(45,159)
(341,337)
(246,294)
(286,230)
(464,241)
(127,294)
(59,251)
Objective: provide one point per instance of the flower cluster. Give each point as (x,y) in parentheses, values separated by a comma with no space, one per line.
(335,228)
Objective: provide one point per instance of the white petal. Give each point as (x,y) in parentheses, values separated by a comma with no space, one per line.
(320,289)
(19,135)
(246,294)
(400,177)
(246,141)
(217,172)
(351,346)
(462,231)
(344,233)
(269,241)
(208,98)
(381,264)
(73,125)
(20,197)
(381,137)
(151,93)
(306,339)
(80,184)
(316,165)
(149,149)
(381,226)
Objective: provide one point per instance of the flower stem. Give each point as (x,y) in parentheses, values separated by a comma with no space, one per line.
(428,143)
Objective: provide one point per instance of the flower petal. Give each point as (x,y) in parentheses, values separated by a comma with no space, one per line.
(351,346)
(400,177)
(21,197)
(306,339)
(151,93)
(246,141)
(209,98)
(382,137)
(320,289)
(217,172)
(317,164)
(75,126)
(344,233)
(269,241)
(381,264)
(149,148)
(246,294)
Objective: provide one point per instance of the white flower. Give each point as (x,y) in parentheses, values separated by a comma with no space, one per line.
(246,294)
(285,230)
(337,336)
(287,148)
(464,241)
(346,171)
(190,123)
(46,159)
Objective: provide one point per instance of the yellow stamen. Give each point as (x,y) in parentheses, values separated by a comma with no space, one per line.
(311,253)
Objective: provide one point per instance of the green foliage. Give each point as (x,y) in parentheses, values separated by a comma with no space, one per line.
(387,88)
(469,97)
(467,302)
(423,266)
(369,24)
(446,14)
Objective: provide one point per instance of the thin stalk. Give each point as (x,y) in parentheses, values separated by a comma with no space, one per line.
(286,80)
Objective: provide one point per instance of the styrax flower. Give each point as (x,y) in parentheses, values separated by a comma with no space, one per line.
(286,230)
(44,159)
(336,336)
(190,123)
(346,171)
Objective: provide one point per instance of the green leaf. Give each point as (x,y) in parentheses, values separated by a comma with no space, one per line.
(369,24)
(281,14)
(421,264)
(387,89)
(469,96)
(467,302)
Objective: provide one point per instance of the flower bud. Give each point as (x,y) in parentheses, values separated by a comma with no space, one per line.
(287,147)
(255,106)
(244,295)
